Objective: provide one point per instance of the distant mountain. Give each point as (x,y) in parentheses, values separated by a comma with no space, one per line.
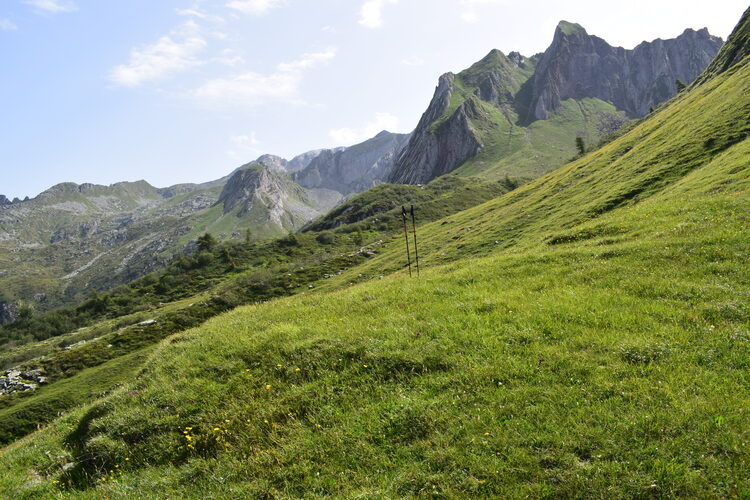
(270,201)
(356,168)
(71,239)
(519,116)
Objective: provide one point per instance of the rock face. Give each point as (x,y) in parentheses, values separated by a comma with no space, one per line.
(301,161)
(431,151)
(4,200)
(463,114)
(269,196)
(446,136)
(579,65)
(353,169)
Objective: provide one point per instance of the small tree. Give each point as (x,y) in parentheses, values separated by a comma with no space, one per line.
(290,240)
(580,145)
(358,237)
(680,85)
(248,236)
(206,243)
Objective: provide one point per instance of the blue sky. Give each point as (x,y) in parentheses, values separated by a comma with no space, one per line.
(178,91)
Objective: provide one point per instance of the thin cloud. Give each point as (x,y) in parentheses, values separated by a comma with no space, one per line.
(52,6)
(243,146)
(7,25)
(252,89)
(371,13)
(170,54)
(348,136)
(254,7)
(199,14)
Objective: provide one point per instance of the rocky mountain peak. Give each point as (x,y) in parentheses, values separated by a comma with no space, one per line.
(272,161)
(4,200)
(245,184)
(566,29)
(579,65)
(576,66)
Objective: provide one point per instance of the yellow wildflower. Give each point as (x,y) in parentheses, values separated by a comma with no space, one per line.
(268,387)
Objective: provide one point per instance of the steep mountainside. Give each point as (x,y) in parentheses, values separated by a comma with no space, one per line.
(579,65)
(582,336)
(356,168)
(520,116)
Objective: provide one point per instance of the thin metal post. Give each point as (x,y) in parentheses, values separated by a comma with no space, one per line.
(414,226)
(406,237)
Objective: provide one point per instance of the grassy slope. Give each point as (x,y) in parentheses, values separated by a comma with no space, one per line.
(517,151)
(183,297)
(600,348)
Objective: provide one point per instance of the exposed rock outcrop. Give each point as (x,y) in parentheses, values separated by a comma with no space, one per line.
(269,196)
(579,65)
(356,168)
(4,200)
(445,137)
(576,66)
(15,380)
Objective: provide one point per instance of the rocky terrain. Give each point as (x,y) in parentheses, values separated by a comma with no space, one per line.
(575,86)
(354,169)
(579,65)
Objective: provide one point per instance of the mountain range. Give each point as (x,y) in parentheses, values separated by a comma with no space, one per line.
(505,116)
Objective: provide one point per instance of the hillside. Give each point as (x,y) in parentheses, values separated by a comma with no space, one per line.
(520,116)
(54,361)
(584,335)
(70,240)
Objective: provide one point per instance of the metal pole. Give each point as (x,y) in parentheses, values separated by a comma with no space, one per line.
(414,226)
(406,237)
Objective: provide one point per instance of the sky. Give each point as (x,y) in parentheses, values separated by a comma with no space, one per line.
(175,91)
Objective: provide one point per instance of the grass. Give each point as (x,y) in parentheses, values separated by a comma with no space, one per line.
(586,335)
(197,287)
(30,414)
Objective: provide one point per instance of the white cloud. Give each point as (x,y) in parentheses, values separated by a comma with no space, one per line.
(7,25)
(170,54)
(53,6)
(243,146)
(371,14)
(199,14)
(254,7)
(348,136)
(254,89)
